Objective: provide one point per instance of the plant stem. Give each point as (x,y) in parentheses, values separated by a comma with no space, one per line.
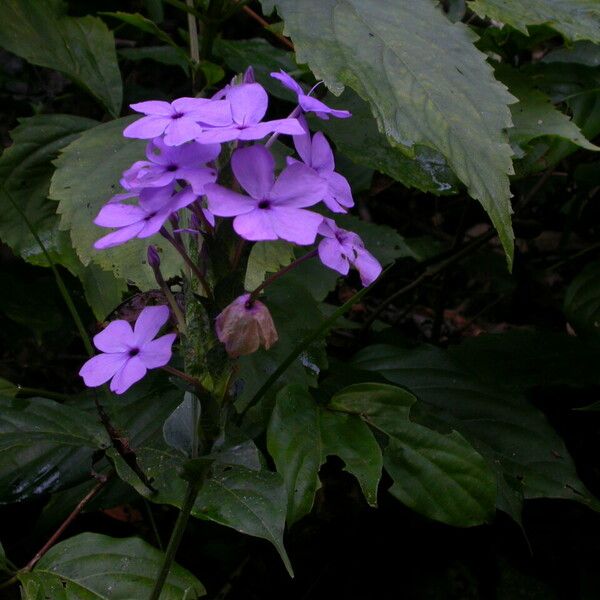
(170,299)
(191,494)
(267,282)
(275,135)
(266,25)
(59,280)
(188,261)
(184,377)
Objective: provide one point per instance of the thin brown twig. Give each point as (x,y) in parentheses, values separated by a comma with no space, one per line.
(184,377)
(267,26)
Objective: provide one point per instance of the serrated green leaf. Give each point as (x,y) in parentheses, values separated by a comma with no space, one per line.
(502,425)
(82,48)
(440,476)
(425,81)
(582,302)
(87,175)
(91,566)
(249,501)
(300,437)
(44,446)
(266,257)
(574,19)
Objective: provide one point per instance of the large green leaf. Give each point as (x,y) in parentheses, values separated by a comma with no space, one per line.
(91,566)
(252,502)
(300,437)
(87,175)
(438,475)
(502,425)
(574,19)
(266,257)
(424,79)
(582,302)
(44,446)
(81,48)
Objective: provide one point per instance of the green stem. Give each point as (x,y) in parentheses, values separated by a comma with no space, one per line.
(59,280)
(191,494)
(303,344)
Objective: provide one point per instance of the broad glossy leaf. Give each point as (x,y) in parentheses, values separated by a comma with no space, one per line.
(252,502)
(180,430)
(502,425)
(574,19)
(143,24)
(424,79)
(87,175)
(582,302)
(582,53)
(300,437)
(91,566)
(44,446)
(360,140)
(439,475)
(266,257)
(82,48)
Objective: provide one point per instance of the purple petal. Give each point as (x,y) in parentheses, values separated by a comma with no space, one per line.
(153,107)
(99,369)
(288,82)
(328,228)
(218,135)
(332,256)
(367,265)
(131,372)
(208,216)
(194,154)
(155,199)
(254,168)
(148,324)
(338,196)
(309,104)
(119,215)
(116,238)
(197,178)
(255,226)
(298,186)
(322,156)
(182,199)
(125,196)
(180,131)
(153,224)
(147,127)
(157,353)
(225,203)
(303,143)
(249,103)
(203,110)
(295,225)
(116,337)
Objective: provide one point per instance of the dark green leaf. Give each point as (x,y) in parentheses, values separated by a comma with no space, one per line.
(146,25)
(180,430)
(424,79)
(582,302)
(166,55)
(440,476)
(266,257)
(7,389)
(44,446)
(301,436)
(81,48)
(91,566)
(575,19)
(87,175)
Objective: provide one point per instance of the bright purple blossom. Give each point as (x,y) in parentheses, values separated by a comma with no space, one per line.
(307,102)
(274,208)
(129,353)
(316,153)
(143,219)
(181,120)
(248,103)
(340,248)
(166,164)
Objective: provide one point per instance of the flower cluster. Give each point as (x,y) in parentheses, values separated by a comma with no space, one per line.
(180,172)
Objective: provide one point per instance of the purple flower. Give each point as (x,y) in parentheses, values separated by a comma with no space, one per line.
(248,103)
(307,102)
(141,220)
(180,121)
(317,154)
(166,164)
(340,248)
(274,207)
(128,354)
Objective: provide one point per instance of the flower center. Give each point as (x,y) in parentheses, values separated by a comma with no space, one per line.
(134,352)
(264,204)
(172,168)
(148,217)
(176,115)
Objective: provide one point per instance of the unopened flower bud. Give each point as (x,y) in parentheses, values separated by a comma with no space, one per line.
(153,257)
(249,75)
(244,326)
